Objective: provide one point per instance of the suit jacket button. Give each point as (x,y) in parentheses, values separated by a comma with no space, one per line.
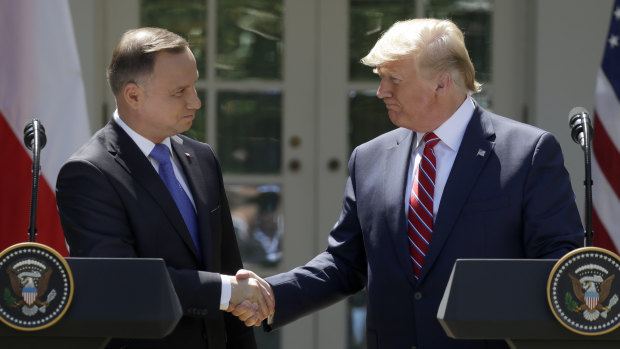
(417,296)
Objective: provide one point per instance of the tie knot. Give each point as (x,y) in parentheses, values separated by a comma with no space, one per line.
(161,153)
(430,140)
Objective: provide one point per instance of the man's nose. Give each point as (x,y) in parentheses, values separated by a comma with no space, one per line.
(194,102)
(383,91)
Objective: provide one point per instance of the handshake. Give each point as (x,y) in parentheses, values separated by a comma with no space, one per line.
(252,299)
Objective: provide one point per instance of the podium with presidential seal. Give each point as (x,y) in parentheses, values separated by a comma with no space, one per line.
(52,302)
(568,303)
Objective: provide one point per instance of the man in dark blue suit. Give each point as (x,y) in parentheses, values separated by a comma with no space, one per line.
(498,189)
(120,197)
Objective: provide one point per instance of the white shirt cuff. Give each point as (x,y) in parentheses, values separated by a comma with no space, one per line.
(226,292)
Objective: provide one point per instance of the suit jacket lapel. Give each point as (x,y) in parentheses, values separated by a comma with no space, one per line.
(475,149)
(395,182)
(127,154)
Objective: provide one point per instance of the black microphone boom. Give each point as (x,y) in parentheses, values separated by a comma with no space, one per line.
(581,132)
(34,138)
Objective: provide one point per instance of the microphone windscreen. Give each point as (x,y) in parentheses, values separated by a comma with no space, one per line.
(576,111)
(29,131)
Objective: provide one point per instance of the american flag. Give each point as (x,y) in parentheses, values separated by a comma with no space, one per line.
(606,143)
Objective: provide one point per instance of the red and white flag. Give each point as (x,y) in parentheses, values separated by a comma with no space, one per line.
(606,143)
(40,77)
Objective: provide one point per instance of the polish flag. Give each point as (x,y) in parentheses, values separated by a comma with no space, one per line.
(40,77)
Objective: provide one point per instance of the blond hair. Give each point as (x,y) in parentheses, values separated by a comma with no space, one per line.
(437,46)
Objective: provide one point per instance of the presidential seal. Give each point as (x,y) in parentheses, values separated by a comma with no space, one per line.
(36,285)
(582,291)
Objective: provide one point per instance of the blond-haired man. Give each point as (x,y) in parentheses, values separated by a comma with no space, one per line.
(453,181)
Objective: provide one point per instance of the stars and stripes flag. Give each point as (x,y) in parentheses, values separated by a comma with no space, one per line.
(606,143)
(40,77)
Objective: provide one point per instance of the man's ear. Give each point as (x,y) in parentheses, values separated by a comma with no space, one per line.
(444,83)
(133,95)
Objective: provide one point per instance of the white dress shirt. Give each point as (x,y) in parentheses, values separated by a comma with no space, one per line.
(450,134)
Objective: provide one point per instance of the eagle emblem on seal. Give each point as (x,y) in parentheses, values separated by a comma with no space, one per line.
(29,280)
(591,290)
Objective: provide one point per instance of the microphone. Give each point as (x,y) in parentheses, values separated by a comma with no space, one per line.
(581,132)
(578,120)
(32,128)
(34,138)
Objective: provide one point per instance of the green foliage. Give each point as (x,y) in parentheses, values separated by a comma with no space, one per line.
(249,39)
(187,18)
(250,132)
(571,304)
(368,20)
(474,18)
(368,118)
(8,297)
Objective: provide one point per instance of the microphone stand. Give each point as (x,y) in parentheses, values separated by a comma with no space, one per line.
(36,150)
(587,139)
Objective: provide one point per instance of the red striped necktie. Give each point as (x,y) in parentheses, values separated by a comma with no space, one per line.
(420,215)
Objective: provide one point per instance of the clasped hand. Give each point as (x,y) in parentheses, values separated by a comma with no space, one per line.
(252,299)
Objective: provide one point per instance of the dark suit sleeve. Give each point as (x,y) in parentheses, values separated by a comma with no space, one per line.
(332,275)
(552,225)
(97,224)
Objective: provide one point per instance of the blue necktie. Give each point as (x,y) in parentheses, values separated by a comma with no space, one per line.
(161,153)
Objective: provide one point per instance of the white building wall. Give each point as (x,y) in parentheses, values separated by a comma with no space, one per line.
(570,38)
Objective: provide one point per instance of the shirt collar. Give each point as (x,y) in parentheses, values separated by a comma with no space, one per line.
(145,145)
(452,130)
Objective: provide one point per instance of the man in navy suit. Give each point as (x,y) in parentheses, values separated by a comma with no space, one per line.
(118,197)
(500,191)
